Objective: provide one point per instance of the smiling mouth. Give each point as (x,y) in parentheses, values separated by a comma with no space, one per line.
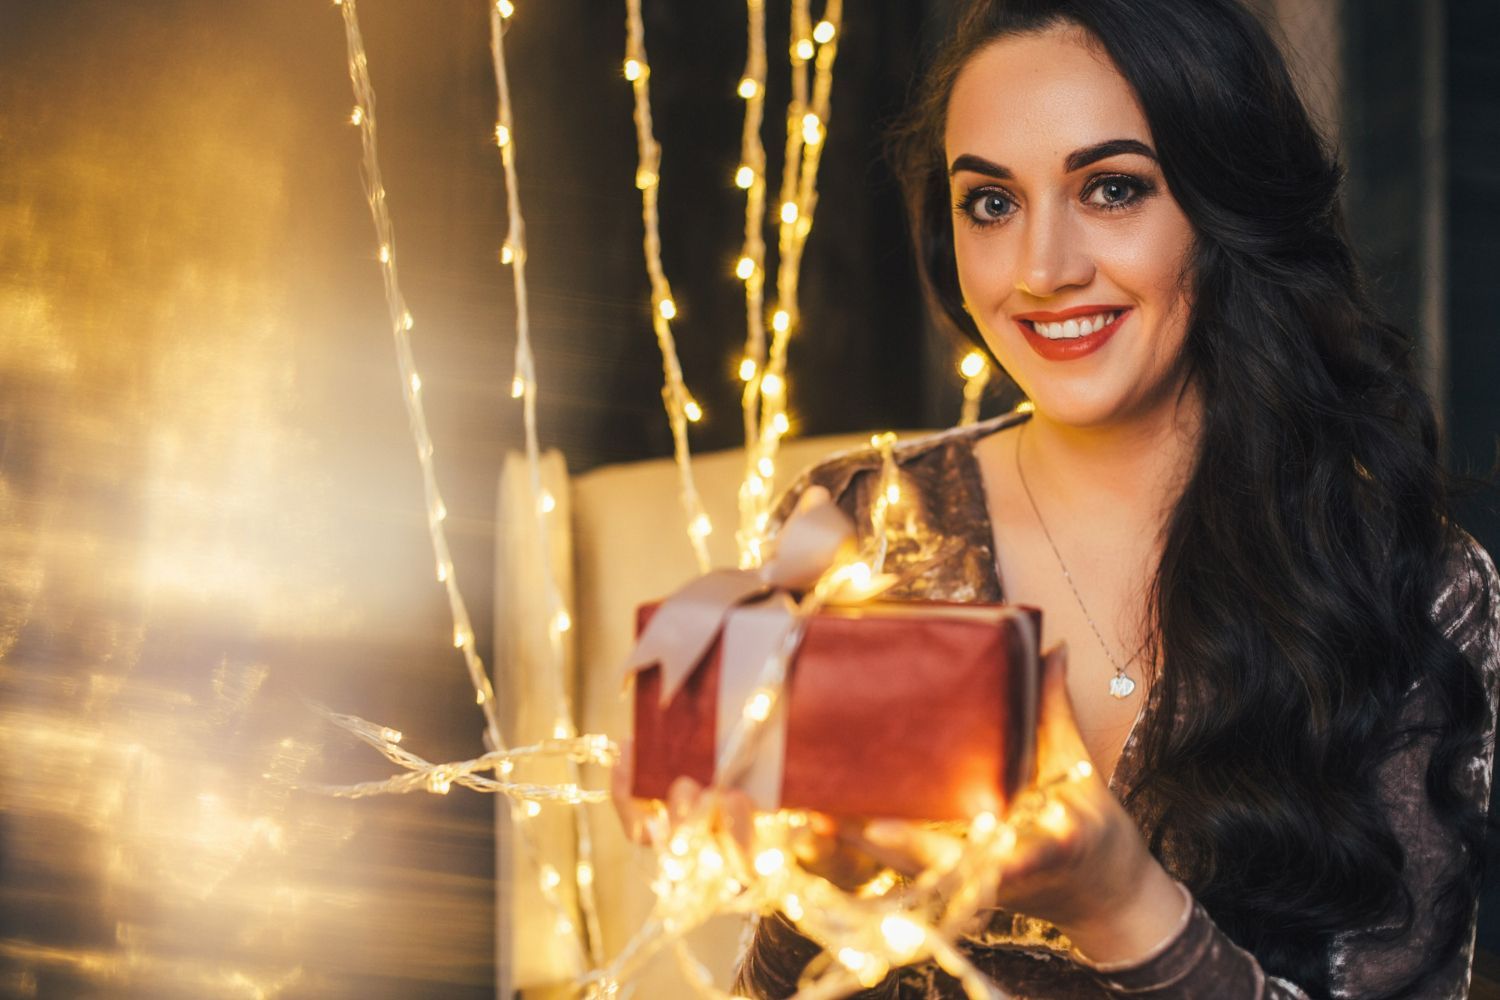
(1072,329)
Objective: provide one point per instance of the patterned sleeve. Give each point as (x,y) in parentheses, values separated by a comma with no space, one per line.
(1201,961)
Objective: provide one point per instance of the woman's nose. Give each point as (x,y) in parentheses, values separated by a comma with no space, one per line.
(1053,255)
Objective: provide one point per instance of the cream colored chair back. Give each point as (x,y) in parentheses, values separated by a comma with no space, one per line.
(617,540)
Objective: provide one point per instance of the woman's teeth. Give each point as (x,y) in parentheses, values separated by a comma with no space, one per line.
(1072,328)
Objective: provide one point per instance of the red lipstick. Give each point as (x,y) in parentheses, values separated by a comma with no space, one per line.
(1076,347)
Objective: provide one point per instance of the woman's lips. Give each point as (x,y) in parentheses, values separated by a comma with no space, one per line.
(1076,347)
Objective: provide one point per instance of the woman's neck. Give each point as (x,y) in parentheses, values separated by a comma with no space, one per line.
(1123,473)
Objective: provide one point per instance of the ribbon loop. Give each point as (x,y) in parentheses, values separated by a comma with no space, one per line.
(684,626)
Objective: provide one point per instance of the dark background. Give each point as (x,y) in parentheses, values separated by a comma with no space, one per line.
(211,512)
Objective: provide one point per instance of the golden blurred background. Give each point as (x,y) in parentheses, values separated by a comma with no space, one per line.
(210,517)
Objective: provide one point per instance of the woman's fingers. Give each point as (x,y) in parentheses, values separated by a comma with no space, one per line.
(906,847)
(737,817)
(634,813)
(682,799)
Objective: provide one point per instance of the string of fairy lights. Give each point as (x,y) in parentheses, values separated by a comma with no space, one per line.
(681,407)
(542,505)
(750,176)
(762,367)
(806,135)
(573,750)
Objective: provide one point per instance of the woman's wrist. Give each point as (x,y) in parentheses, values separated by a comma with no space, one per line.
(1138,928)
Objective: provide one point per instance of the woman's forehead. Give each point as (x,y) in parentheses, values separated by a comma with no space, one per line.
(1036,97)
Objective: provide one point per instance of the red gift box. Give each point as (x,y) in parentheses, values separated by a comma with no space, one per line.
(911,710)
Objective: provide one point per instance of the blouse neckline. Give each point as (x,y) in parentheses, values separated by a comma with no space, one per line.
(1125,763)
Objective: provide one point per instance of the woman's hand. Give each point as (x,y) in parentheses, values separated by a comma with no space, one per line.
(1081,864)
(729,811)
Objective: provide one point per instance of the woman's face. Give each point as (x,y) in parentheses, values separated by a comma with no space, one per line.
(1070,248)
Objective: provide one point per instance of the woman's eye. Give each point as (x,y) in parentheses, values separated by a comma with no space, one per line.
(983,206)
(1116,192)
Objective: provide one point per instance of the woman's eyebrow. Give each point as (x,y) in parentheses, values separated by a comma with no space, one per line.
(1076,160)
(1080,158)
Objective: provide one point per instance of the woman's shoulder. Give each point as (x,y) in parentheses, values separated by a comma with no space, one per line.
(925,461)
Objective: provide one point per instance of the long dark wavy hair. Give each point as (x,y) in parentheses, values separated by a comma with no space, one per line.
(1292,604)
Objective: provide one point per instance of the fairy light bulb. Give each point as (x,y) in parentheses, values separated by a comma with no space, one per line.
(824,32)
(744,177)
(812,129)
(791,905)
(789,212)
(502,134)
(781,321)
(517,387)
(972,365)
(506,766)
(780,424)
(756,486)
(692,411)
(634,70)
(548,503)
(390,735)
(505,7)
(893,493)
(744,269)
(480,697)
(407,321)
(551,878)
(564,926)
(772,384)
(533,808)
(385,253)
(803,50)
(416,383)
(357,116)
(710,860)
(439,783)
(748,88)
(879,885)
(864,965)
(758,708)
(460,638)
(667,308)
(1025,406)
(646,178)
(766,467)
(585,873)
(562,622)
(747,369)
(902,936)
(701,527)
(770,861)
(440,512)
(507,254)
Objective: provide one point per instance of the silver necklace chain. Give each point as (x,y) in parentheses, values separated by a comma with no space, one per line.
(1120,685)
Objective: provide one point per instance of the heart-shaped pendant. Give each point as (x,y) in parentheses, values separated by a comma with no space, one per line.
(1121,686)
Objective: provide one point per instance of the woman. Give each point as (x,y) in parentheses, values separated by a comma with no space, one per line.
(1282,653)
